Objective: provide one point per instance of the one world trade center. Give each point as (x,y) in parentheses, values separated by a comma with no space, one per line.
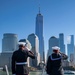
(39,33)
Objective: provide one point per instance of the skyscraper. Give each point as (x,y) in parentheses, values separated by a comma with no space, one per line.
(33,39)
(70,46)
(39,33)
(9,42)
(9,45)
(61,43)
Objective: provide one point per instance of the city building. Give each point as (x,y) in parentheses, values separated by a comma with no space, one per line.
(39,33)
(65,63)
(70,47)
(5,59)
(9,42)
(72,60)
(33,39)
(61,43)
(9,45)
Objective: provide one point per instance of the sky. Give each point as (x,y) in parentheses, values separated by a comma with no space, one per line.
(19,16)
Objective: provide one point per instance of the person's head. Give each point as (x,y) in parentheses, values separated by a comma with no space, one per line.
(22,45)
(56,49)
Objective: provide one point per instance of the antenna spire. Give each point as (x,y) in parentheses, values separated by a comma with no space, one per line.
(39,9)
(39,6)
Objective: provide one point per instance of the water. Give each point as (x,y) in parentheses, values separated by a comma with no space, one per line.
(69,74)
(39,73)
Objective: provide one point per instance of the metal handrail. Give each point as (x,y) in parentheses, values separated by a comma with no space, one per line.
(6,68)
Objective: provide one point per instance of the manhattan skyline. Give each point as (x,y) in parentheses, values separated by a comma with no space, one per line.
(19,17)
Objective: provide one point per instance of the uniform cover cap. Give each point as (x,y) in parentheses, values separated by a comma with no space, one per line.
(22,43)
(56,48)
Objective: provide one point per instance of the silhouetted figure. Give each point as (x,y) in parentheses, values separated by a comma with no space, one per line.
(54,62)
(19,60)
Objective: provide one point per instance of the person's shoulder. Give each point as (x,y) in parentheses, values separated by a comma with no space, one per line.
(53,54)
(15,51)
(49,56)
(25,51)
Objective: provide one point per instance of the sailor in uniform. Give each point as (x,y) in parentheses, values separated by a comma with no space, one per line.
(54,62)
(19,60)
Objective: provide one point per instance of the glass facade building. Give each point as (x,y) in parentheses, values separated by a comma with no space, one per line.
(33,39)
(39,33)
(70,46)
(61,43)
(9,42)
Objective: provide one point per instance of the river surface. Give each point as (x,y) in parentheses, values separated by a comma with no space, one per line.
(40,73)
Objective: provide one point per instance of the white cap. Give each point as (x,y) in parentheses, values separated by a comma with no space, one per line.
(56,48)
(22,43)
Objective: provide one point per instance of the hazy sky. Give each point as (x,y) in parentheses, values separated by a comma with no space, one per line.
(19,16)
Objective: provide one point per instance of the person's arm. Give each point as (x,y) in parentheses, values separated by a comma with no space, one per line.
(13,64)
(64,56)
(48,66)
(31,54)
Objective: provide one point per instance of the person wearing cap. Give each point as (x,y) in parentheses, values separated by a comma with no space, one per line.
(54,62)
(19,60)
